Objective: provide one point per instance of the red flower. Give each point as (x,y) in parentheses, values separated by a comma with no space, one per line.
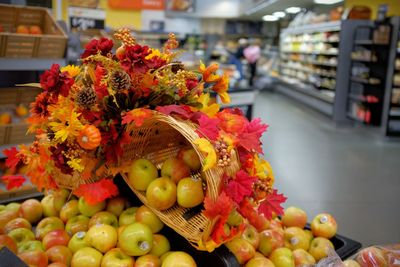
(103,45)
(60,160)
(155,63)
(39,107)
(191,83)
(56,82)
(134,58)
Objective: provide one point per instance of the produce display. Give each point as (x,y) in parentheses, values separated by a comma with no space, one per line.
(10,115)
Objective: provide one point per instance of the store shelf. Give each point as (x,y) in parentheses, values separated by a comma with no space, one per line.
(326,64)
(367,42)
(310,90)
(310,53)
(364,60)
(29,64)
(319,27)
(364,81)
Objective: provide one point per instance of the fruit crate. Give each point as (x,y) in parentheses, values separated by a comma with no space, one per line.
(50,44)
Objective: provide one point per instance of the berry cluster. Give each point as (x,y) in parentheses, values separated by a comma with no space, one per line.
(224,156)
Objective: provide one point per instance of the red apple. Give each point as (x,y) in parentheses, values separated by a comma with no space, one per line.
(190,192)
(117,258)
(31,210)
(146,216)
(6,241)
(302,257)
(5,118)
(324,225)
(148,261)
(178,259)
(141,173)
(351,263)
(22,29)
(136,239)
(160,245)
(30,245)
(294,216)
(102,237)
(320,247)
(47,225)
(86,257)
(77,224)
(242,250)
(269,241)
(282,257)
(59,254)
(104,217)
(69,210)
(5,217)
(90,210)
(17,223)
(190,158)
(161,193)
(54,238)
(20,235)
(251,235)
(35,258)
(295,238)
(259,262)
(116,205)
(35,29)
(128,216)
(77,242)
(175,169)
(371,257)
(49,210)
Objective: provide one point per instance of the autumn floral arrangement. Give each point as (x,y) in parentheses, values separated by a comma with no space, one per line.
(84,116)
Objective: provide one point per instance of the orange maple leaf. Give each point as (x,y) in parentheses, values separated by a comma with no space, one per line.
(97,192)
(137,116)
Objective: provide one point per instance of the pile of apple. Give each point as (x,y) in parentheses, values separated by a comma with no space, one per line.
(285,243)
(20,111)
(58,232)
(174,185)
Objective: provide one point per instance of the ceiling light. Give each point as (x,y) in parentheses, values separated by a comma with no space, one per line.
(327,2)
(279,14)
(270,18)
(293,10)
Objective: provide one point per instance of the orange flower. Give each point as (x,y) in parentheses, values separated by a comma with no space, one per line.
(221,88)
(209,75)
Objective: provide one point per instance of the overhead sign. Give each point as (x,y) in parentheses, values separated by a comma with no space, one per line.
(86,18)
(137,4)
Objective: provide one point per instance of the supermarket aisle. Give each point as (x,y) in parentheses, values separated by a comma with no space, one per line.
(346,171)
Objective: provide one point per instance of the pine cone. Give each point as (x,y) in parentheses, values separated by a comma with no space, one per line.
(120,80)
(86,98)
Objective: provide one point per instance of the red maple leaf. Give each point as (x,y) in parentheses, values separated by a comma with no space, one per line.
(12,160)
(256,126)
(250,142)
(272,204)
(222,207)
(231,122)
(182,110)
(13,181)
(240,187)
(97,192)
(208,127)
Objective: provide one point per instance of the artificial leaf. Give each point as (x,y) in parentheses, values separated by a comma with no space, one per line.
(209,75)
(13,181)
(221,88)
(240,187)
(209,110)
(272,204)
(12,157)
(221,207)
(208,127)
(137,116)
(256,126)
(230,122)
(250,141)
(182,110)
(97,192)
(248,210)
(207,148)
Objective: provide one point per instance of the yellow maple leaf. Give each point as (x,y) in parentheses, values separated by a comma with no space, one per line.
(75,164)
(208,149)
(68,125)
(72,70)
(210,110)
(208,73)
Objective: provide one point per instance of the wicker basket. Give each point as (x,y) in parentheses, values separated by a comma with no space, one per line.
(160,138)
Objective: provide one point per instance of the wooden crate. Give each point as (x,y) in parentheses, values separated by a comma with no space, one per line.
(50,44)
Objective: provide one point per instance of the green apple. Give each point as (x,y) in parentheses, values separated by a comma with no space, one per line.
(242,250)
(117,258)
(30,245)
(77,242)
(148,260)
(160,245)
(86,257)
(235,219)
(190,192)
(136,239)
(31,210)
(59,254)
(178,259)
(14,206)
(146,216)
(17,223)
(104,217)
(116,205)
(190,157)
(47,225)
(175,169)
(161,193)
(77,224)
(69,210)
(251,235)
(141,173)
(90,210)
(282,257)
(128,216)
(49,210)
(20,235)
(102,237)
(2,207)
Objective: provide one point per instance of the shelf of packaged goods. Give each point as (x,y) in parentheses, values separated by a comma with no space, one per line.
(310,53)
(312,42)
(394,112)
(330,26)
(308,82)
(326,64)
(309,71)
(364,60)
(367,42)
(364,81)
(362,99)
(33,64)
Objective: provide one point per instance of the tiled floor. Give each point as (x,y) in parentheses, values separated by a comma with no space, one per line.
(349,171)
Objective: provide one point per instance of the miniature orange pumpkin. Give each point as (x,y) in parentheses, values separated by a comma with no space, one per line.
(89,137)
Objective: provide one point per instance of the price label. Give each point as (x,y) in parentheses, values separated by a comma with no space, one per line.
(86,18)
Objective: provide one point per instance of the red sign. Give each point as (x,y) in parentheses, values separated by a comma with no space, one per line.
(137,4)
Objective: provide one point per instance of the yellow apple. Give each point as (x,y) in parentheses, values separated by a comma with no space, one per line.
(302,257)
(351,263)
(102,237)
(146,216)
(47,225)
(242,250)
(251,235)
(69,210)
(295,238)
(128,216)
(86,257)
(282,257)
(320,247)
(260,262)
(161,193)
(190,192)
(141,173)
(117,258)
(160,245)
(31,210)
(324,225)
(178,259)
(77,242)
(88,209)
(294,216)
(270,240)
(175,169)
(136,239)
(190,158)
(104,217)
(148,261)
(116,205)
